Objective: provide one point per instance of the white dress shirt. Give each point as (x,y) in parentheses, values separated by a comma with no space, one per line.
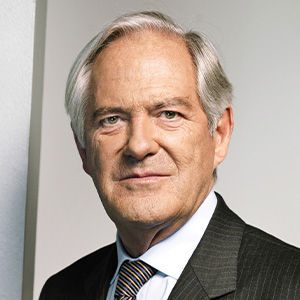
(169,256)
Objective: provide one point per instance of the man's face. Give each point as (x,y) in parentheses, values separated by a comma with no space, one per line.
(148,148)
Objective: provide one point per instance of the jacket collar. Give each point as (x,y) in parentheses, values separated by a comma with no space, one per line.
(212,270)
(97,282)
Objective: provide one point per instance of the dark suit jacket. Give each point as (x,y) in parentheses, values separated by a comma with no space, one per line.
(232,261)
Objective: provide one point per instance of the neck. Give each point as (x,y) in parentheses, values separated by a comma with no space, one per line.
(137,238)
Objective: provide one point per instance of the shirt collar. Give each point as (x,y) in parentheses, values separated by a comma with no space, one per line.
(171,255)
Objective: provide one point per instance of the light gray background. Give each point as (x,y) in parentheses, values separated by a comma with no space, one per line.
(16,63)
(259,45)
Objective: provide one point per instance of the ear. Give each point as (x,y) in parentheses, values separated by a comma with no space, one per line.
(222,135)
(82,153)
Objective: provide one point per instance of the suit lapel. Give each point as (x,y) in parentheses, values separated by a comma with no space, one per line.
(212,270)
(97,283)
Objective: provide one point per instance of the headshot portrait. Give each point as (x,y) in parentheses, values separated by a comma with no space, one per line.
(169,152)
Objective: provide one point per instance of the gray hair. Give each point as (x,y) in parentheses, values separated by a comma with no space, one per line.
(213,88)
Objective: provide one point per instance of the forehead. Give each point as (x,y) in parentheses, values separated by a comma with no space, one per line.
(144,63)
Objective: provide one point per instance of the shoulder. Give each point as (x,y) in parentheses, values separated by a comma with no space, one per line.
(255,236)
(267,248)
(267,268)
(267,262)
(72,279)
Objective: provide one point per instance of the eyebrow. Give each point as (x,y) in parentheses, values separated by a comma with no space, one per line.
(168,102)
(101,111)
(175,101)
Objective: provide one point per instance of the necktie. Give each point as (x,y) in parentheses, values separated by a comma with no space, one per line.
(132,276)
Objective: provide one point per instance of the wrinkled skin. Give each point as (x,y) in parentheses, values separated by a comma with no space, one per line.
(148,148)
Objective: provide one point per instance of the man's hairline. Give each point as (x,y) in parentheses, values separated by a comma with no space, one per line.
(91,63)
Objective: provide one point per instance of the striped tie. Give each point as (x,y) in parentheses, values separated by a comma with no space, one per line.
(132,276)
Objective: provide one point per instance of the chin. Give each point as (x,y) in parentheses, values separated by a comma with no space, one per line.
(143,215)
(148,207)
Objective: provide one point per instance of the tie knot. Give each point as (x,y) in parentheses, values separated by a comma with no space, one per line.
(132,276)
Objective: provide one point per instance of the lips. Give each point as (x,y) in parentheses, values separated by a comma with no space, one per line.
(145,175)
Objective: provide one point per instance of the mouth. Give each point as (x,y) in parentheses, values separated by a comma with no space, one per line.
(145,177)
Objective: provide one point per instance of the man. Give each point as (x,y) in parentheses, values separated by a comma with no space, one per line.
(151,115)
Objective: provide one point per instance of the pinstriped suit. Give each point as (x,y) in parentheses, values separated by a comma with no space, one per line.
(232,261)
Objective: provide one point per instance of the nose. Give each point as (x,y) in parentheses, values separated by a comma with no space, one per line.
(141,141)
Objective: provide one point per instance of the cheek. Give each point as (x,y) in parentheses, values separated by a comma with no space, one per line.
(191,148)
(204,156)
(99,154)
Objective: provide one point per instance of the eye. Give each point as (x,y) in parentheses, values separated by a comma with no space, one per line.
(168,114)
(110,120)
